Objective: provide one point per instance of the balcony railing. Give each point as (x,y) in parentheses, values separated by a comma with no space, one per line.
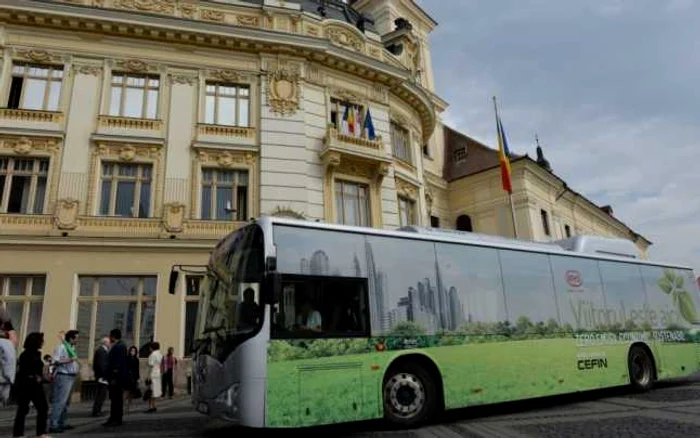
(34,116)
(336,137)
(116,122)
(226,131)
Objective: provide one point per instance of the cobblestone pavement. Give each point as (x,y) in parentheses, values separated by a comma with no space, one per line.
(671,410)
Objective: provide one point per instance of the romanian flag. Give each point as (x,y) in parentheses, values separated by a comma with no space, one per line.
(503,155)
(350,119)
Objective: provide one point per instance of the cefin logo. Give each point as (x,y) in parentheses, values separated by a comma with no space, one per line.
(672,285)
(574,279)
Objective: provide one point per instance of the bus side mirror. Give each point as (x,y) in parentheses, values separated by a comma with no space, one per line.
(272,287)
(174,275)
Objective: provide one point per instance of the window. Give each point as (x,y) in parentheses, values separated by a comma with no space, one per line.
(35,87)
(434,221)
(224,194)
(134,96)
(426,150)
(227,104)
(460,154)
(322,307)
(126,303)
(401,142)
(579,293)
(407,211)
(464,223)
(567,231)
(23,185)
(23,298)
(352,203)
(193,284)
(347,117)
(545,222)
(126,190)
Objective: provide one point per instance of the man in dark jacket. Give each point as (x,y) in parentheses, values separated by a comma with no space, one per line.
(100,367)
(118,378)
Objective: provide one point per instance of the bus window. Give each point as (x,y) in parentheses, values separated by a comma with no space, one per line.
(625,299)
(328,307)
(579,292)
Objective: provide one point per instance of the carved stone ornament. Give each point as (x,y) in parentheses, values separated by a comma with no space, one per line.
(344,38)
(247,20)
(287,212)
(283,91)
(183,79)
(228,75)
(127,152)
(212,15)
(406,189)
(347,96)
(188,10)
(35,55)
(226,158)
(429,197)
(66,216)
(88,69)
(133,65)
(162,6)
(26,145)
(174,217)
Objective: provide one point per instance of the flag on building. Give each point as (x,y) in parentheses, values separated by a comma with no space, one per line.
(369,126)
(350,121)
(503,155)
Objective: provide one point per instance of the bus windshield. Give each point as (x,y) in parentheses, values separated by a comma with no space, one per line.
(230,310)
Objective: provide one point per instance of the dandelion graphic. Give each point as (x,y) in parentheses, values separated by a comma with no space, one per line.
(673,285)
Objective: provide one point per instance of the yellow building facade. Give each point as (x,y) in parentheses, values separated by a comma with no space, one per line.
(135,134)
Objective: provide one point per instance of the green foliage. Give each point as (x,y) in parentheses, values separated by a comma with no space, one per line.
(672,284)
(407,329)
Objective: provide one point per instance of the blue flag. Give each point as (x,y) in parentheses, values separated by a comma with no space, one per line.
(369,126)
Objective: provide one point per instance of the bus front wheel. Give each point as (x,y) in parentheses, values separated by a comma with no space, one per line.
(641,368)
(409,395)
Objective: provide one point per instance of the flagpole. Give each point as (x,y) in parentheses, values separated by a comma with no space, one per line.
(510,194)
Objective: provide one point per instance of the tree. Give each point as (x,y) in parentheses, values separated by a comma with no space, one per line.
(408,329)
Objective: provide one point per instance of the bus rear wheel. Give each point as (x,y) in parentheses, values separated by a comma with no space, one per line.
(641,368)
(409,395)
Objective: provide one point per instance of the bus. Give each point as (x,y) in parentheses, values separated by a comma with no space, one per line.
(303,323)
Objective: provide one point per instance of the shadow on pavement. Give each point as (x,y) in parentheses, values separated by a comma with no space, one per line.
(457,415)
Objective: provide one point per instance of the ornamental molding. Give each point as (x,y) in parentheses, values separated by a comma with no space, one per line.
(30,145)
(248,20)
(404,188)
(225,158)
(174,217)
(135,66)
(283,90)
(348,96)
(183,78)
(160,6)
(343,36)
(128,152)
(88,69)
(228,75)
(212,15)
(287,212)
(38,55)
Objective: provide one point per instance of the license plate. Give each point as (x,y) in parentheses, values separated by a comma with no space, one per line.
(203,408)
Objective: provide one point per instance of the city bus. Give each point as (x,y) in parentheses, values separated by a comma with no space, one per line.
(303,323)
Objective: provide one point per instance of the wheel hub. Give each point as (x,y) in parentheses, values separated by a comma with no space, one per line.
(406,394)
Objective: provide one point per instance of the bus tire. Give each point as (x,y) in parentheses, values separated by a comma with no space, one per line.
(641,368)
(409,395)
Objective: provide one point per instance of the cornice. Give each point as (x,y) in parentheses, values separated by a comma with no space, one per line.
(107,243)
(332,51)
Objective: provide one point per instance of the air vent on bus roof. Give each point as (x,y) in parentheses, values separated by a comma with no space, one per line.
(478,237)
(600,245)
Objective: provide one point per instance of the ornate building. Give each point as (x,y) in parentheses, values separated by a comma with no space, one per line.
(135,133)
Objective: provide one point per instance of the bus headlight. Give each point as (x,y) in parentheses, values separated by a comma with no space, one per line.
(229,397)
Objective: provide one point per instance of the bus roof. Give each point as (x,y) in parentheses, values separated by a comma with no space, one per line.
(596,247)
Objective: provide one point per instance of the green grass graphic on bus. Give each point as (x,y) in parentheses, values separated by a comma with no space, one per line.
(499,324)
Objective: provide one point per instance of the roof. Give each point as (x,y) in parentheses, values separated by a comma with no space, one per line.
(334,9)
(450,236)
(489,161)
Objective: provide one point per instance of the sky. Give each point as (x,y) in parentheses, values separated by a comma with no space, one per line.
(609,86)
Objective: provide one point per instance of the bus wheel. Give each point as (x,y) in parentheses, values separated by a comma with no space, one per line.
(641,369)
(409,395)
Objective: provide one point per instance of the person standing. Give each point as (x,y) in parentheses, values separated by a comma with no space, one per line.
(67,367)
(133,391)
(169,365)
(100,367)
(8,355)
(118,378)
(29,386)
(154,361)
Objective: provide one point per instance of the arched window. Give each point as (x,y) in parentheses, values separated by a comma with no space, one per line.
(464,223)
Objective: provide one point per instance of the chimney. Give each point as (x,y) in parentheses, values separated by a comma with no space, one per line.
(608,209)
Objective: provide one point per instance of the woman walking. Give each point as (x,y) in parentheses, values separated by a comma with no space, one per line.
(29,386)
(133,391)
(154,361)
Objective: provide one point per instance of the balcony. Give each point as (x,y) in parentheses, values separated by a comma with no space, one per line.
(343,151)
(131,127)
(25,224)
(31,119)
(224,134)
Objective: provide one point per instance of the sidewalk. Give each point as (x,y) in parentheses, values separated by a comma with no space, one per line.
(175,417)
